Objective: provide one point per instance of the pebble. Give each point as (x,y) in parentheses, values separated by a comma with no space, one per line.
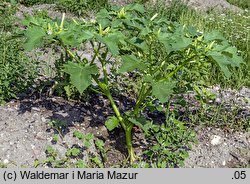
(43,119)
(224,163)
(218,100)
(5,161)
(39,135)
(35,109)
(216,140)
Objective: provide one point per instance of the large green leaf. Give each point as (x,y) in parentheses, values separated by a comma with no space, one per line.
(112,41)
(130,63)
(138,43)
(165,39)
(80,75)
(221,60)
(162,90)
(180,42)
(69,38)
(135,7)
(214,35)
(103,18)
(35,37)
(112,123)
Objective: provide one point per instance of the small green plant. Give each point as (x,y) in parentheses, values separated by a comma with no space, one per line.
(156,49)
(74,155)
(85,138)
(100,145)
(170,143)
(59,127)
(2,165)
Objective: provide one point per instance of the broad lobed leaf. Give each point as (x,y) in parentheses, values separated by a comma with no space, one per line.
(35,37)
(80,75)
(163,89)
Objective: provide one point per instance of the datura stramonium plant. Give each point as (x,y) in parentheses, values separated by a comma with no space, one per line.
(147,45)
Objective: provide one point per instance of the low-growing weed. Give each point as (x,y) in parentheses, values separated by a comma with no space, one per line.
(169,143)
(81,7)
(76,156)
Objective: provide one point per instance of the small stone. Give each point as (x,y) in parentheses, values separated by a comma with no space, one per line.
(33,146)
(215,140)
(35,109)
(5,161)
(218,100)
(43,119)
(36,151)
(224,163)
(40,135)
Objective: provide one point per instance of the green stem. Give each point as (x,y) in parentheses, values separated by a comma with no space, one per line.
(132,156)
(139,99)
(142,96)
(126,125)
(96,51)
(178,68)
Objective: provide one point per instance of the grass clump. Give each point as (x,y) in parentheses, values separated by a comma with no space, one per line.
(34,2)
(81,7)
(245,4)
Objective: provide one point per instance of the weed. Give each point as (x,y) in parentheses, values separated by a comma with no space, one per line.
(2,165)
(81,7)
(34,2)
(170,143)
(157,49)
(245,4)
(17,72)
(74,157)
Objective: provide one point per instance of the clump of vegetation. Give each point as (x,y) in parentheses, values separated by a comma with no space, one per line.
(74,156)
(34,2)
(244,4)
(170,143)
(81,7)
(17,71)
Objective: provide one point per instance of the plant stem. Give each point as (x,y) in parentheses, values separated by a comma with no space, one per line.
(178,68)
(142,95)
(128,133)
(126,125)
(139,99)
